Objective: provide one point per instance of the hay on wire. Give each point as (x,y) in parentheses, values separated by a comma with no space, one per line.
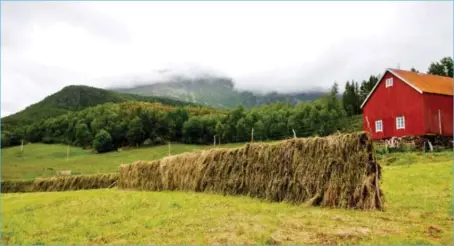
(61,183)
(334,171)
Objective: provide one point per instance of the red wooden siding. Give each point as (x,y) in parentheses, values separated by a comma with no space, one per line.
(433,103)
(388,103)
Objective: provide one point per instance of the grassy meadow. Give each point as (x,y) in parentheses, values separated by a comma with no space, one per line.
(417,187)
(42,160)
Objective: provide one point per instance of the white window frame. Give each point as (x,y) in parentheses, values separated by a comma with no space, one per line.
(389,82)
(378,129)
(400,126)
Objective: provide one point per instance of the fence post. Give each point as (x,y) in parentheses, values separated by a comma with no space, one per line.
(294,133)
(169,148)
(252,135)
(67,153)
(214,140)
(22,146)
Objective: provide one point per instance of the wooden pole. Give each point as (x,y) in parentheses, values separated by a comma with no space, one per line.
(22,146)
(252,135)
(169,148)
(430,146)
(214,140)
(294,133)
(67,153)
(439,121)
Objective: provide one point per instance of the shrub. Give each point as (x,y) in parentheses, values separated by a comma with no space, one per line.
(102,142)
(148,142)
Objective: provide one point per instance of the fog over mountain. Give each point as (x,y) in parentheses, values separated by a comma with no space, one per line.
(262,46)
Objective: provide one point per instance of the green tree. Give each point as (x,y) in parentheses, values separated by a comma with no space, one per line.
(351,98)
(444,67)
(175,121)
(219,129)
(135,132)
(5,140)
(259,130)
(367,86)
(102,142)
(243,133)
(83,134)
(193,130)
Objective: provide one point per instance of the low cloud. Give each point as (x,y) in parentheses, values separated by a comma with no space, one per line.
(266,46)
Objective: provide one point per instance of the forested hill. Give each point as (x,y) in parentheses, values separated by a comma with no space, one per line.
(216,92)
(111,126)
(74,98)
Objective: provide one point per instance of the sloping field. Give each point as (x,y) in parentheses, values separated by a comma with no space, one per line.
(418,210)
(43,160)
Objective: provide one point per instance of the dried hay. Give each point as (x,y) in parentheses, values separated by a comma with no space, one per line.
(334,171)
(10,186)
(61,183)
(77,182)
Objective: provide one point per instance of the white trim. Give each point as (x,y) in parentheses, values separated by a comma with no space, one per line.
(368,125)
(391,82)
(397,122)
(379,81)
(408,83)
(381,124)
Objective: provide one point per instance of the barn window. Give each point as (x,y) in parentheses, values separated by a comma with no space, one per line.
(389,82)
(378,126)
(400,122)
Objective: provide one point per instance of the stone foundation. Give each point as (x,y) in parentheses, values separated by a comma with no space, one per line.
(420,143)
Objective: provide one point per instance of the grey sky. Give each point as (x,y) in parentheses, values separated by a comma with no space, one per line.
(261,45)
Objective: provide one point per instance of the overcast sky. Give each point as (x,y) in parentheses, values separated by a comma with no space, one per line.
(261,45)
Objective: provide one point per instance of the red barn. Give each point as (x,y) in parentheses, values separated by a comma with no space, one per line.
(405,103)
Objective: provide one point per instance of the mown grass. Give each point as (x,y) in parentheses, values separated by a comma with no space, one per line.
(43,160)
(410,158)
(418,211)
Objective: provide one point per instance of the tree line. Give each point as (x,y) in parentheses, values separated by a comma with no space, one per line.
(110,126)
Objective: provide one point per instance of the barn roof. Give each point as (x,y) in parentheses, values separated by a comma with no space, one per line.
(426,82)
(423,83)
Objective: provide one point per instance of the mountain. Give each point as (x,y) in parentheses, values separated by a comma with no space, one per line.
(73,98)
(214,91)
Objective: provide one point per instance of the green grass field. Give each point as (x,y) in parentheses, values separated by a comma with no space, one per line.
(417,186)
(42,160)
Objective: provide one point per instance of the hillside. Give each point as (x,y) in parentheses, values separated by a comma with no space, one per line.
(74,98)
(215,91)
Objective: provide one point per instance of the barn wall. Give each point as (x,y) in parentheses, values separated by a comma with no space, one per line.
(388,103)
(433,103)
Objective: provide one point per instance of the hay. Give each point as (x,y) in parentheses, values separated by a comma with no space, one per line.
(11,186)
(335,171)
(61,183)
(77,182)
